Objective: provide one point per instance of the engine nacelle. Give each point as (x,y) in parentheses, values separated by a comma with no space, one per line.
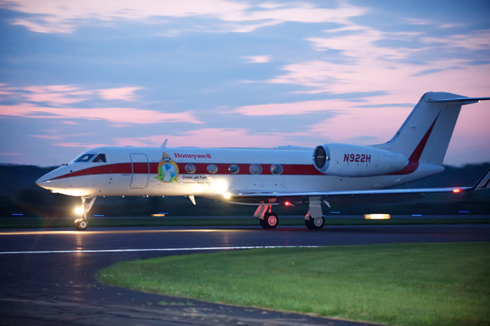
(356,161)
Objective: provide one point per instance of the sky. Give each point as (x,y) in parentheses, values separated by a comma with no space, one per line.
(217,73)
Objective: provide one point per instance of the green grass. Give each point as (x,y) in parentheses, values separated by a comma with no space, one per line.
(402,284)
(22,222)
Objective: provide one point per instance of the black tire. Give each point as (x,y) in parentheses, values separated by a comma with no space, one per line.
(315,224)
(271,220)
(263,223)
(77,224)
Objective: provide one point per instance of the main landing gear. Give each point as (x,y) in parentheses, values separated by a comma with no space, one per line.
(87,202)
(314,219)
(316,223)
(268,220)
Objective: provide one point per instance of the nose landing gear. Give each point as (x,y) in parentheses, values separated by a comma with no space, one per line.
(87,202)
(81,224)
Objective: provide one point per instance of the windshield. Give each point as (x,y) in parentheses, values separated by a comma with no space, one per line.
(84,158)
(100,159)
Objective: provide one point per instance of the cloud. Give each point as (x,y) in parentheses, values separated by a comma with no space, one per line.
(257,58)
(296,108)
(213,137)
(80,145)
(60,16)
(61,95)
(115,115)
(123,93)
(479,40)
(56,137)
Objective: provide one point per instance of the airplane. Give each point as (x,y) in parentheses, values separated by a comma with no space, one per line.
(284,175)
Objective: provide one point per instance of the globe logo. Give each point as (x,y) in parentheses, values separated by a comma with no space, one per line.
(168,172)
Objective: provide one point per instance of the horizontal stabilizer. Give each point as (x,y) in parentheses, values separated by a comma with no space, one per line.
(460,100)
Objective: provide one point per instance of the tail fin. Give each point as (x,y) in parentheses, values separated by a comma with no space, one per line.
(426,133)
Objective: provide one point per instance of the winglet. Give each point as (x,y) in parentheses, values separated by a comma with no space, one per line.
(484,182)
(164,145)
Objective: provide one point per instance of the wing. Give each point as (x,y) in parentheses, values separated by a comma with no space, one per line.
(274,198)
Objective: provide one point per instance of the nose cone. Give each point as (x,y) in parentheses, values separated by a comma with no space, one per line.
(42,181)
(52,180)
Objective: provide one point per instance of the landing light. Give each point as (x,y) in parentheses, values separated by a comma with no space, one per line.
(377,216)
(79,210)
(227,195)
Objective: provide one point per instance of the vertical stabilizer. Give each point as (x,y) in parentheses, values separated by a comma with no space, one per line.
(426,133)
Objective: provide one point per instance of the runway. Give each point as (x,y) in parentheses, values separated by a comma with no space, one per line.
(47,276)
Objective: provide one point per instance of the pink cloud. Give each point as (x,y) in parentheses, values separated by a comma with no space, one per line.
(61,95)
(80,145)
(47,136)
(59,16)
(10,154)
(116,115)
(215,137)
(291,108)
(257,58)
(123,93)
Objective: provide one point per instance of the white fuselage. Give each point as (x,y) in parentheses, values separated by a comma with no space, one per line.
(147,171)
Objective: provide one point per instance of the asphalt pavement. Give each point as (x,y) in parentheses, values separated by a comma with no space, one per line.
(47,276)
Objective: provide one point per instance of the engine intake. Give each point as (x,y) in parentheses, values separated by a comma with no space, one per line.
(356,161)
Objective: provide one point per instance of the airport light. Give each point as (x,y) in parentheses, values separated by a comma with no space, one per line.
(377,216)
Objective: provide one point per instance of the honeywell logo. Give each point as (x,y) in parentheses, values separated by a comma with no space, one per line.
(192,156)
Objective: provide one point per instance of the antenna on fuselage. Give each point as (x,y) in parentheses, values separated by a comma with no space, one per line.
(164,145)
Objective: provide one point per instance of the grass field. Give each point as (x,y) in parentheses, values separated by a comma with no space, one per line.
(398,284)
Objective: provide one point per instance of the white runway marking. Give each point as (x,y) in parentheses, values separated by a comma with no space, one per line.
(143,250)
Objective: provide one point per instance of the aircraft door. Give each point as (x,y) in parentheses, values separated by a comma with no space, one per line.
(140,171)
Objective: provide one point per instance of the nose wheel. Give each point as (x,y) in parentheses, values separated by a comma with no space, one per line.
(82,223)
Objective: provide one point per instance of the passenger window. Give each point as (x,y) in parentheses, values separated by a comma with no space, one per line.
(100,159)
(190,168)
(255,169)
(276,169)
(84,158)
(234,169)
(212,168)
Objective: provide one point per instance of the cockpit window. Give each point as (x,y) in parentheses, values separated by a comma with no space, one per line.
(100,159)
(84,158)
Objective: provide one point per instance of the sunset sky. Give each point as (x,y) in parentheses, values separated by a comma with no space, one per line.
(217,73)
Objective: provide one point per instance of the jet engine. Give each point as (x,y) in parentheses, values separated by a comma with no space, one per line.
(356,161)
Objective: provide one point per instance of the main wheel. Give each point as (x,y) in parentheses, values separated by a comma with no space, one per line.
(316,223)
(270,221)
(263,223)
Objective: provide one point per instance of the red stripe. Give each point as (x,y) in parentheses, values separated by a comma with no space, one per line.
(119,168)
(413,161)
(201,168)
(486,184)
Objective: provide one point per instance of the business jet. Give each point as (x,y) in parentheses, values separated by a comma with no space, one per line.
(266,178)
